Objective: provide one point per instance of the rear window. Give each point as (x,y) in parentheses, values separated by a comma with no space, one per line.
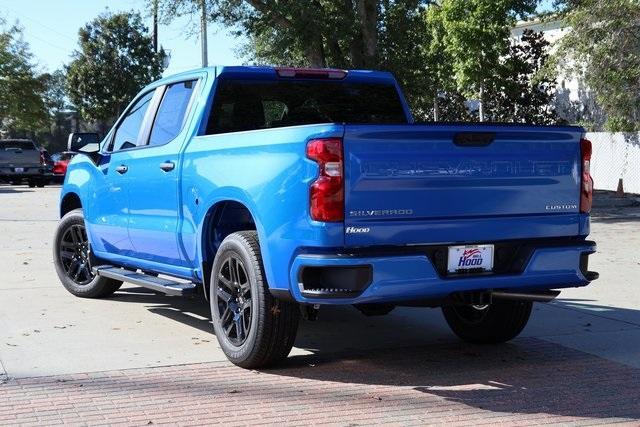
(255,104)
(17,145)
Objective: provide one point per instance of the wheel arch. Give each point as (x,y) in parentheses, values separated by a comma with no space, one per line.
(222,218)
(69,202)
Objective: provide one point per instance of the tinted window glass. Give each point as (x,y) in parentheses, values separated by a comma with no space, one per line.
(172,111)
(129,129)
(254,104)
(17,145)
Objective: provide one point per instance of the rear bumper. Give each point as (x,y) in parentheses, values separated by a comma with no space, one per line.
(397,278)
(28,171)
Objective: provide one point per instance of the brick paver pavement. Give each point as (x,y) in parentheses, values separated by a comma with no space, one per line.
(526,382)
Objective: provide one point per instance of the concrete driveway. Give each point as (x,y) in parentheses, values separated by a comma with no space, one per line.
(44,331)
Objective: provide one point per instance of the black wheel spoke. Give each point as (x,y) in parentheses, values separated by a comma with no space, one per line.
(233,299)
(224,295)
(239,323)
(226,315)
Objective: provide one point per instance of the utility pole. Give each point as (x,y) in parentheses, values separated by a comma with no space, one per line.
(481,103)
(155,26)
(203,32)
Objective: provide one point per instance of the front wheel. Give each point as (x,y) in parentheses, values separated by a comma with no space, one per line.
(493,323)
(73,262)
(253,328)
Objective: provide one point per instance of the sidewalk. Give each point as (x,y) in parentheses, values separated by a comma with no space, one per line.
(528,382)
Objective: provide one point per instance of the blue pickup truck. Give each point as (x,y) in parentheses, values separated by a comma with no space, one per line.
(274,191)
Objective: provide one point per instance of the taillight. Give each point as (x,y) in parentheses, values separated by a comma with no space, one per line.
(43,161)
(326,194)
(586,182)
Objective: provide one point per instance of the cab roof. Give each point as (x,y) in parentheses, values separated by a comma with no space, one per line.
(273,73)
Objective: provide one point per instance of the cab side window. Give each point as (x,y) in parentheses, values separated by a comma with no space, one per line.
(129,130)
(172,112)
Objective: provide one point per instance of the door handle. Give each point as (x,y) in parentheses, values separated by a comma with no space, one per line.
(167,166)
(122,169)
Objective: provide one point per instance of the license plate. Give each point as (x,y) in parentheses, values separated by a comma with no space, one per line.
(470,258)
(18,170)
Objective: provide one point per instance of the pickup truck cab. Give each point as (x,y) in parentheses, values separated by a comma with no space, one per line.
(274,191)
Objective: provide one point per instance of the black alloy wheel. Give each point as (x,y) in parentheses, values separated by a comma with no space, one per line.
(74,254)
(254,329)
(73,259)
(234,300)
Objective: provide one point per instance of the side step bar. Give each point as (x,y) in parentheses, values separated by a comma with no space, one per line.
(158,284)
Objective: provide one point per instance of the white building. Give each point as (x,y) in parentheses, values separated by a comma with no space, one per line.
(574,102)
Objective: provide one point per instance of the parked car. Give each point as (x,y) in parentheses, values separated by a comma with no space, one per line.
(21,160)
(275,191)
(60,162)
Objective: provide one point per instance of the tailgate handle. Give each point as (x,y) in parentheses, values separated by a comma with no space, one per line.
(474,139)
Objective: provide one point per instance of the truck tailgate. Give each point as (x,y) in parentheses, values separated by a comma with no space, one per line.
(427,184)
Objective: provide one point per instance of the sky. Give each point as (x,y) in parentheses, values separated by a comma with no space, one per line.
(51,29)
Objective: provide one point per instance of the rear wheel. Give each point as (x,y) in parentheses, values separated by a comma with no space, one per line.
(73,261)
(488,324)
(31,184)
(253,328)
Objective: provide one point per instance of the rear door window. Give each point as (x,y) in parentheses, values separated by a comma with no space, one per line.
(172,113)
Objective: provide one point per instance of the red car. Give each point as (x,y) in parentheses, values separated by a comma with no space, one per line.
(60,162)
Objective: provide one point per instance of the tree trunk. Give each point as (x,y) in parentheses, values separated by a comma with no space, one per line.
(368,19)
(312,39)
(315,52)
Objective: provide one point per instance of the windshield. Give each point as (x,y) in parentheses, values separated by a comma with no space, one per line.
(259,104)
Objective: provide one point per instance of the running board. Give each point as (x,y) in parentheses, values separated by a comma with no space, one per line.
(158,284)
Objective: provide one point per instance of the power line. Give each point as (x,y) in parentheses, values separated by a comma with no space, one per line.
(40,24)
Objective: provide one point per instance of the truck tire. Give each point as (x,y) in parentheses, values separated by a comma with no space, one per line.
(253,328)
(495,323)
(72,259)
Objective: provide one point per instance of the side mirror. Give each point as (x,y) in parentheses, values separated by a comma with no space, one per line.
(83,142)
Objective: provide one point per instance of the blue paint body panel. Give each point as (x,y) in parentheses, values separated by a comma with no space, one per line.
(422,188)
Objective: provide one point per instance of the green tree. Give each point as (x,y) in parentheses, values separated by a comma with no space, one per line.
(370,34)
(474,36)
(21,91)
(315,33)
(115,60)
(521,92)
(603,47)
